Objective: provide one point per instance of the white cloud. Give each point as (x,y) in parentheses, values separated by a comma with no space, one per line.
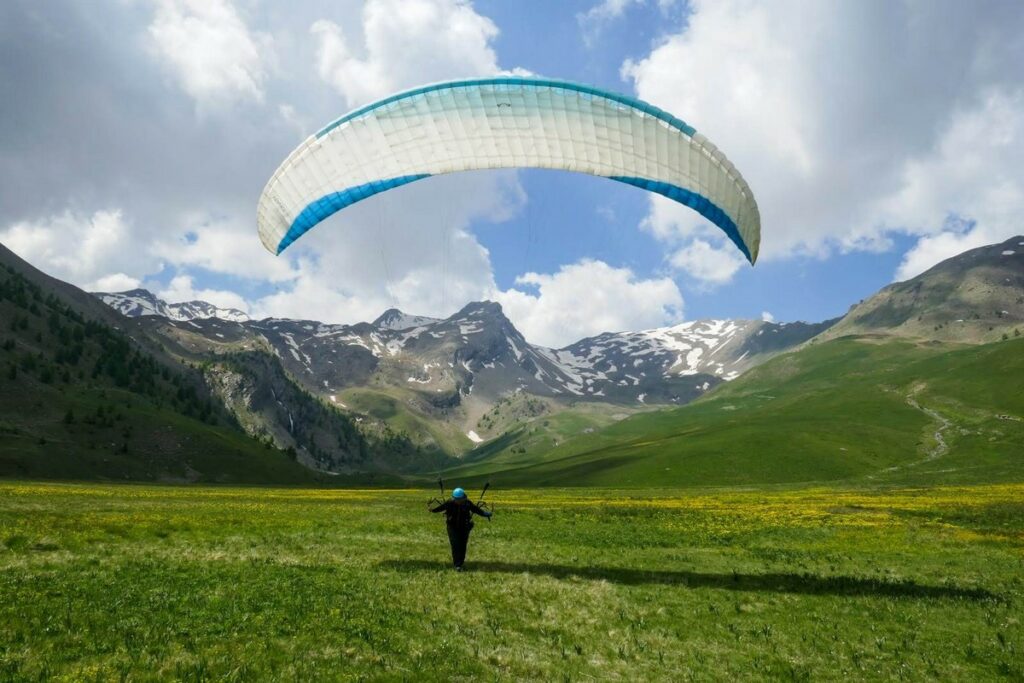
(600,15)
(222,246)
(106,252)
(593,21)
(314,297)
(405,43)
(182,289)
(973,178)
(93,252)
(607,9)
(295,121)
(409,247)
(343,284)
(852,120)
(587,298)
(210,50)
(115,282)
(934,248)
(710,265)
(767,317)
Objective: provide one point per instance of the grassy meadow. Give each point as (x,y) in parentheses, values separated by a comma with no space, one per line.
(849,412)
(137,582)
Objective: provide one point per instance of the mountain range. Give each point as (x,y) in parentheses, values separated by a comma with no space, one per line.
(136,302)
(405,393)
(919,385)
(446,375)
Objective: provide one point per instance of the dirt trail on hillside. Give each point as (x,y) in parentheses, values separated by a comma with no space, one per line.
(941,447)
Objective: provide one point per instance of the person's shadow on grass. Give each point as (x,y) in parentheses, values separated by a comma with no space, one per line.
(805,584)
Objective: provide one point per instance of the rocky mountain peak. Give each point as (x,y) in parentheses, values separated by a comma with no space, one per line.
(135,303)
(482,309)
(478,355)
(394,319)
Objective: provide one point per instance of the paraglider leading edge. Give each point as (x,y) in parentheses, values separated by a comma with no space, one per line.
(505,122)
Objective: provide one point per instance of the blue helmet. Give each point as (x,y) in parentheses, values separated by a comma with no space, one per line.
(458,493)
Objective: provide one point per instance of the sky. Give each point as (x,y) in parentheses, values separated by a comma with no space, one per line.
(879,137)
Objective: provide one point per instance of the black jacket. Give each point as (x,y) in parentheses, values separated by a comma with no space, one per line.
(459,513)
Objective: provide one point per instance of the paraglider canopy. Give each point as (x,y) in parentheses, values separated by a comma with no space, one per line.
(507,122)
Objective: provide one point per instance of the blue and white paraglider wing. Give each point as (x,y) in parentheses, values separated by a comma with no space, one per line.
(508,122)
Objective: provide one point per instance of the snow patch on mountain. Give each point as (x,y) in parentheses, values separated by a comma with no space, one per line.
(140,302)
(394,319)
(477,354)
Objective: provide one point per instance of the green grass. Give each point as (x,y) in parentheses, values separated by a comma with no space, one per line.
(392,407)
(134,440)
(834,412)
(531,440)
(201,583)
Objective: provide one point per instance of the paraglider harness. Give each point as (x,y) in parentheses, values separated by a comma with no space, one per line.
(460,516)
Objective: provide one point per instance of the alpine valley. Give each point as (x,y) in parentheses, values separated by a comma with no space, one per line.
(403,395)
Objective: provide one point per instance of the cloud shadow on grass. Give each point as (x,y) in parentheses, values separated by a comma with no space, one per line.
(803,584)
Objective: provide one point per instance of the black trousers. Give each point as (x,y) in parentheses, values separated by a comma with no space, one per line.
(459,539)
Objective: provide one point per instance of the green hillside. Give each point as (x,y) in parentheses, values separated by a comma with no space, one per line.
(530,440)
(973,297)
(871,410)
(79,399)
(393,408)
